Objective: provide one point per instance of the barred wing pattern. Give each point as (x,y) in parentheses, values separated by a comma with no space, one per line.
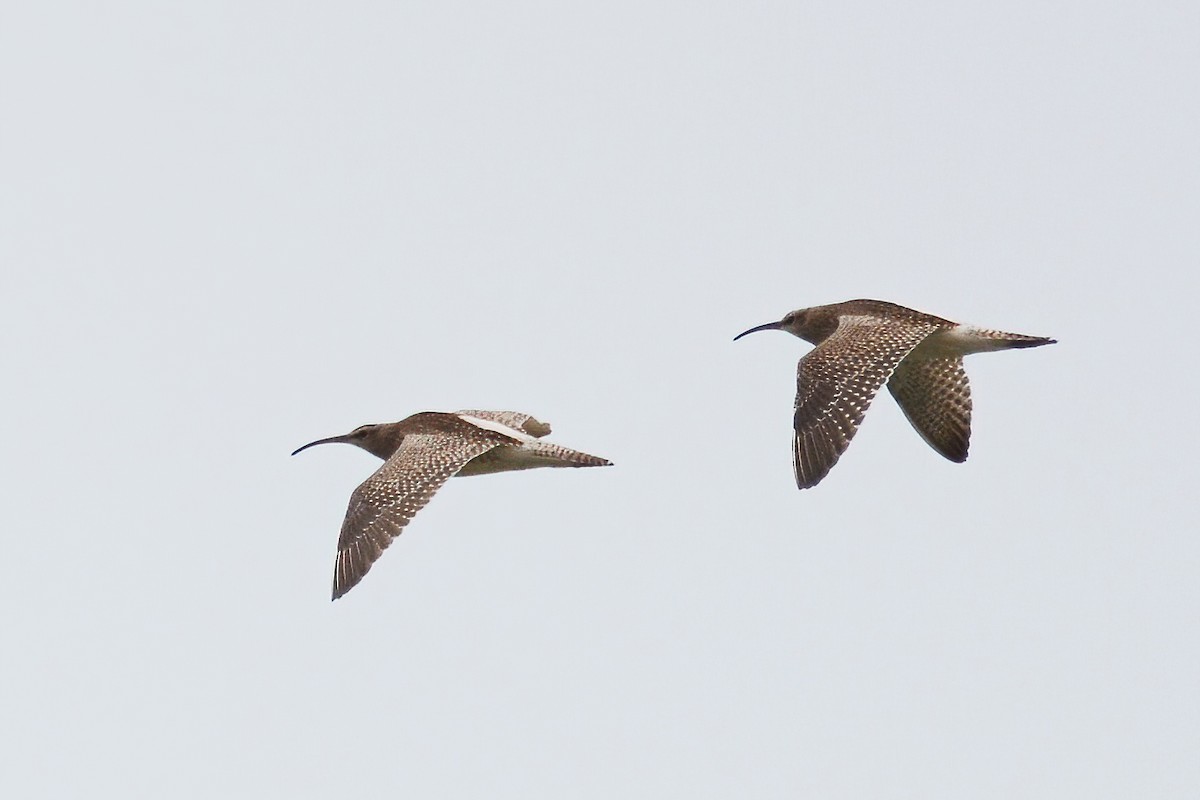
(386,501)
(936,397)
(836,382)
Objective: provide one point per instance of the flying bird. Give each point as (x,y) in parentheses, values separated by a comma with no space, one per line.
(859,345)
(420,454)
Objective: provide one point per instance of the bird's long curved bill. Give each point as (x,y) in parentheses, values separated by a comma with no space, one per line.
(330,440)
(770,326)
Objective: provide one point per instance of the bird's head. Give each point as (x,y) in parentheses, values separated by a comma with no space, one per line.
(378,440)
(798,323)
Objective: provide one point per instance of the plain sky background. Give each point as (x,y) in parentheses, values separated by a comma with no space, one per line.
(229,228)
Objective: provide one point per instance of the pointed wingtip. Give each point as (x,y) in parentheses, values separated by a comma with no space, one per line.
(536,428)
(803,483)
(955,456)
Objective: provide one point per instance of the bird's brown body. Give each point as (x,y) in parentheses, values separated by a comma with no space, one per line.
(860,345)
(420,453)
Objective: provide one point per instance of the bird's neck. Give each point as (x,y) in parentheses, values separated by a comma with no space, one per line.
(382,443)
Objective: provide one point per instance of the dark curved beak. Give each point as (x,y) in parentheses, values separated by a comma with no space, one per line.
(331,440)
(770,326)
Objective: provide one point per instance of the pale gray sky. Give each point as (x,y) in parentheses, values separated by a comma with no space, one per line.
(232,228)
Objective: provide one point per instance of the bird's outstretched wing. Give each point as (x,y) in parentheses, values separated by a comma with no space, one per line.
(836,382)
(935,396)
(384,503)
(513,419)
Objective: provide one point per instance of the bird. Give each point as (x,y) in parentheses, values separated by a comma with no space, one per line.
(860,344)
(420,453)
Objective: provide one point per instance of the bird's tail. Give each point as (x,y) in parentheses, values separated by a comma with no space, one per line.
(1010,341)
(533,454)
(965,340)
(548,454)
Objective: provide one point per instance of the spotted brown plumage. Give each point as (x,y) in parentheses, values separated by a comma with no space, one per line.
(935,396)
(862,344)
(420,454)
(513,419)
(835,384)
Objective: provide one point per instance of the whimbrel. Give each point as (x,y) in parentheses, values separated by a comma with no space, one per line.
(420,453)
(859,345)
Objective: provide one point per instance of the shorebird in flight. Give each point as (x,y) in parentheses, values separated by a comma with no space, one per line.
(421,453)
(859,345)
